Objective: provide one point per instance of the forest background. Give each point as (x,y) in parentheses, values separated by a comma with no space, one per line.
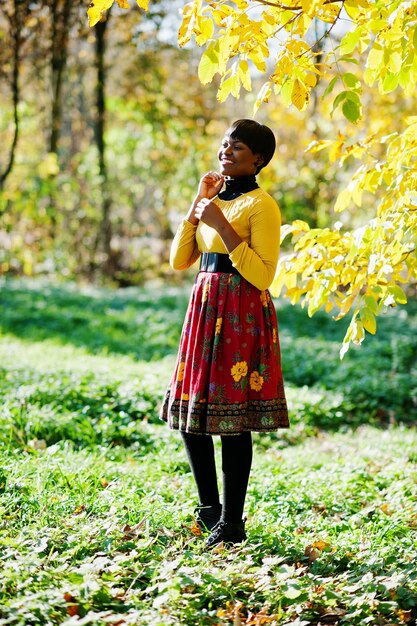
(104,133)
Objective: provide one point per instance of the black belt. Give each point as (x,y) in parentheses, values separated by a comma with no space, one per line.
(215,262)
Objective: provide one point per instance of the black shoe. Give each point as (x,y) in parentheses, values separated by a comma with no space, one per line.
(208,516)
(227,533)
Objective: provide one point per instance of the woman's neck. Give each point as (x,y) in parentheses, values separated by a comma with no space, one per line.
(235,187)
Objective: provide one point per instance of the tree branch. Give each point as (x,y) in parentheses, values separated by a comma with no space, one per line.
(284,7)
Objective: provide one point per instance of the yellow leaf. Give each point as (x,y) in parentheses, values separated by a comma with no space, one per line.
(301,25)
(329,12)
(336,150)
(310,79)
(311,7)
(316,146)
(386,508)
(297,47)
(394,61)
(263,95)
(143,4)
(350,41)
(185,29)
(229,86)
(300,95)
(286,91)
(358,332)
(209,63)
(220,14)
(96,9)
(258,59)
(299,226)
(355,8)
(203,30)
(244,75)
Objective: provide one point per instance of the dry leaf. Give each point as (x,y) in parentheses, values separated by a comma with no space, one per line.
(312,553)
(195,529)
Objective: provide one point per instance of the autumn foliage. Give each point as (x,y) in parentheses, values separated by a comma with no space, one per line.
(341,49)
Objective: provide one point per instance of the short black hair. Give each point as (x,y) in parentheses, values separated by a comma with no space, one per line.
(258,137)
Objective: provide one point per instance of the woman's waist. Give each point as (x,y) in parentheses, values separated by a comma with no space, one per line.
(216,262)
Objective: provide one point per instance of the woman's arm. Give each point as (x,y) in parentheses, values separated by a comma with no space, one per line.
(184,250)
(257,261)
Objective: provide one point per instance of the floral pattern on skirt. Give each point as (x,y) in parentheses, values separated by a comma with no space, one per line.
(227,377)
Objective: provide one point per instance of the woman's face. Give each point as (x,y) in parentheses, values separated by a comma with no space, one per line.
(237,159)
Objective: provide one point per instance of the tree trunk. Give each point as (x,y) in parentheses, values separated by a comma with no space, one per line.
(60,36)
(105,233)
(16,32)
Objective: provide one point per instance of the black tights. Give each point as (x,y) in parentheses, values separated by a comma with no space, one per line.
(236,465)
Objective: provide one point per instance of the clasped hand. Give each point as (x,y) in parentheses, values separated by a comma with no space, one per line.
(205,209)
(209,213)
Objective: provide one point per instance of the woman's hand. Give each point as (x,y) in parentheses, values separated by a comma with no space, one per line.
(209,213)
(210,185)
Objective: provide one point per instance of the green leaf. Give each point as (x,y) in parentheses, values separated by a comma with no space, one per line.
(354,97)
(291,590)
(350,41)
(351,81)
(330,86)
(347,59)
(351,111)
(339,99)
(390,82)
(368,320)
(371,303)
(398,294)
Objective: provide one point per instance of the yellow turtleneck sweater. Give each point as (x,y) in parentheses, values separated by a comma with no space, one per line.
(256,218)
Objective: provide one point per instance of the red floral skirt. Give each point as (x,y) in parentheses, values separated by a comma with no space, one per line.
(228,377)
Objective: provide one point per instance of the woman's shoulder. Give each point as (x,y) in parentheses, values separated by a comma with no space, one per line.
(261,199)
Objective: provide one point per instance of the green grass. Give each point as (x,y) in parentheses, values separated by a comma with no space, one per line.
(96,497)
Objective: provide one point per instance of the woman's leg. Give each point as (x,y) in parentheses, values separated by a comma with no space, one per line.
(200,452)
(236,466)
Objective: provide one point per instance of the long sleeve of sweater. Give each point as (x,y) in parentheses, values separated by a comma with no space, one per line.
(184,249)
(256,218)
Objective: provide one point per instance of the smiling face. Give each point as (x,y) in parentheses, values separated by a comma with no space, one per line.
(237,159)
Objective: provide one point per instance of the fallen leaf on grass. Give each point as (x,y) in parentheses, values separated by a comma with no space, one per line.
(79,509)
(133,532)
(386,508)
(405,616)
(320,544)
(234,611)
(72,608)
(313,550)
(331,615)
(195,529)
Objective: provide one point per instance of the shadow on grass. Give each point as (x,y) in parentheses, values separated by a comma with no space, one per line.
(376,382)
(141,323)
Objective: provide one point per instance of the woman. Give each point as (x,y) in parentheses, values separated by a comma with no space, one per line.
(227,380)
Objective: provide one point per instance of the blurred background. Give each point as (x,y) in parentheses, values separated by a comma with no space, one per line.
(105,132)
